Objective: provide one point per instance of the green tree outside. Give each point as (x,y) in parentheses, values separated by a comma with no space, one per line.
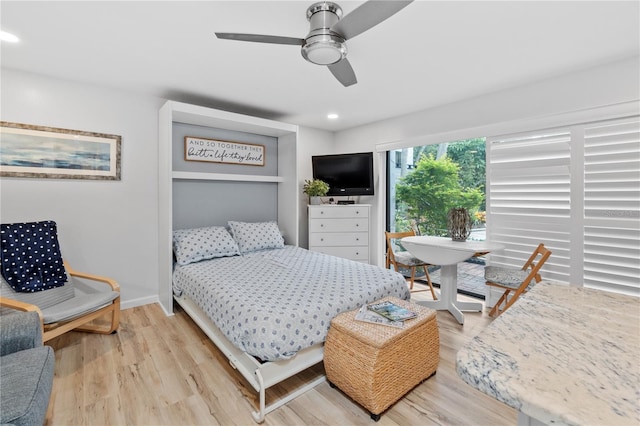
(470,156)
(427,193)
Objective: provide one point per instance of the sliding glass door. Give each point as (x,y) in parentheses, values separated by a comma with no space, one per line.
(425,182)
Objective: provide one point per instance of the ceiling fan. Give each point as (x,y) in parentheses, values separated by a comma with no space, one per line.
(326,42)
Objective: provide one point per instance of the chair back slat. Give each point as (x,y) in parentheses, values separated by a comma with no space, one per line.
(536,263)
(390,237)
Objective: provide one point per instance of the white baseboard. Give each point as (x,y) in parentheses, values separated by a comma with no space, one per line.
(141,301)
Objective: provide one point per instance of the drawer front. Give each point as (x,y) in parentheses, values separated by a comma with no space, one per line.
(337,212)
(353,253)
(339,225)
(339,239)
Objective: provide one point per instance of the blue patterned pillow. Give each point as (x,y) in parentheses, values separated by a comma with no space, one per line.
(252,236)
(194,245)
(30,256)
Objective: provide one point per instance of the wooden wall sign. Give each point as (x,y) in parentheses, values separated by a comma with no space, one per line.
(219,151)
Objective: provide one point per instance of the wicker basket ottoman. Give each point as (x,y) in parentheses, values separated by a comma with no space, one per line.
(376,365)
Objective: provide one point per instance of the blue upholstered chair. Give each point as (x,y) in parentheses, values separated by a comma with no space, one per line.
(26,370)
(515,280)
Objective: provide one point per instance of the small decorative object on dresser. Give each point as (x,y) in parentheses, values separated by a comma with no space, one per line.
(459,224)
(315,189)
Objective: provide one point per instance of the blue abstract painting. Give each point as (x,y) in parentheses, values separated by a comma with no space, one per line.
(54,154)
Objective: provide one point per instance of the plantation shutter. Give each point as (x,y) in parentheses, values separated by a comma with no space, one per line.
(577,190)
(528,198)
(612,206)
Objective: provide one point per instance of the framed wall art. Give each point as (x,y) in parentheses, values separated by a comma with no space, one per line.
(219,151)
(48,152)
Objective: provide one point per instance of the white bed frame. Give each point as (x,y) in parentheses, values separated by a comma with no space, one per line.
(260,375)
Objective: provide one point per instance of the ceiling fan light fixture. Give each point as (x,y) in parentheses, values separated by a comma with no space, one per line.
(325,44)
(324,49)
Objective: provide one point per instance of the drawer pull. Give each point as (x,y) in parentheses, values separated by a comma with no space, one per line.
(322,225)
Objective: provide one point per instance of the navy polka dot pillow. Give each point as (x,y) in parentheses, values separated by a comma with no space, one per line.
(252,236)
(30,256)
(194,245)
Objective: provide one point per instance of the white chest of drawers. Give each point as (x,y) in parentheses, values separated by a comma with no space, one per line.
(341,231)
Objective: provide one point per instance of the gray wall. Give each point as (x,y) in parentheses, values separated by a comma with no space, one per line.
(201,203)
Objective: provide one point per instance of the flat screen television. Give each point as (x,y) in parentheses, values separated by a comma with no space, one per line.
(346,174)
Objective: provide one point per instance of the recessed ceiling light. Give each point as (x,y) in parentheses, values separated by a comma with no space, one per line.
(5,36)
(332,116)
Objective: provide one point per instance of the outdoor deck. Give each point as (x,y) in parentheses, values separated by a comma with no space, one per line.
(471,280)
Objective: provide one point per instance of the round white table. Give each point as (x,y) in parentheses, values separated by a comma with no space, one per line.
(448,253)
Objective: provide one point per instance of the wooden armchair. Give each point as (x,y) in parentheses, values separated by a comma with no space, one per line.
(70,307)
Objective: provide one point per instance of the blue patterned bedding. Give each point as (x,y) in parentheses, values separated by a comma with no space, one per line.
(274,303)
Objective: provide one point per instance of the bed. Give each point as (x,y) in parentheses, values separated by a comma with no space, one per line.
(268,306)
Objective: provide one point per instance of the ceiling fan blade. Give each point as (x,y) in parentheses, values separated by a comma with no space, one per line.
(366,16)
(258,38)
(343,71)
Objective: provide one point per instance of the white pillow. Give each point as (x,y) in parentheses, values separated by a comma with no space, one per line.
(252,236)
(194,245)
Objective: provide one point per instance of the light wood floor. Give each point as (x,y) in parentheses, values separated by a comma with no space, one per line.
(160,370)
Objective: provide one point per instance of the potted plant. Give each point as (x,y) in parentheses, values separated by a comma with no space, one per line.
(315,188)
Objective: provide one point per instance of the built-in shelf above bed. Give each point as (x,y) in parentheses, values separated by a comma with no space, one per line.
(225,177)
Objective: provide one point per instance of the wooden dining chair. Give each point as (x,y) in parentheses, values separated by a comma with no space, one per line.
(514,280)
(406,260)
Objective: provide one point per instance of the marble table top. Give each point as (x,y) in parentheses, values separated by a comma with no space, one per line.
(562,355)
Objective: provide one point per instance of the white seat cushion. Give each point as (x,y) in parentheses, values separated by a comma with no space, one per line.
(60,303)
(508,277)
(406,258)
(42,299)
(77,306)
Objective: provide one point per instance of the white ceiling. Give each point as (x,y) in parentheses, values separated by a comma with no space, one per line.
(431,53)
